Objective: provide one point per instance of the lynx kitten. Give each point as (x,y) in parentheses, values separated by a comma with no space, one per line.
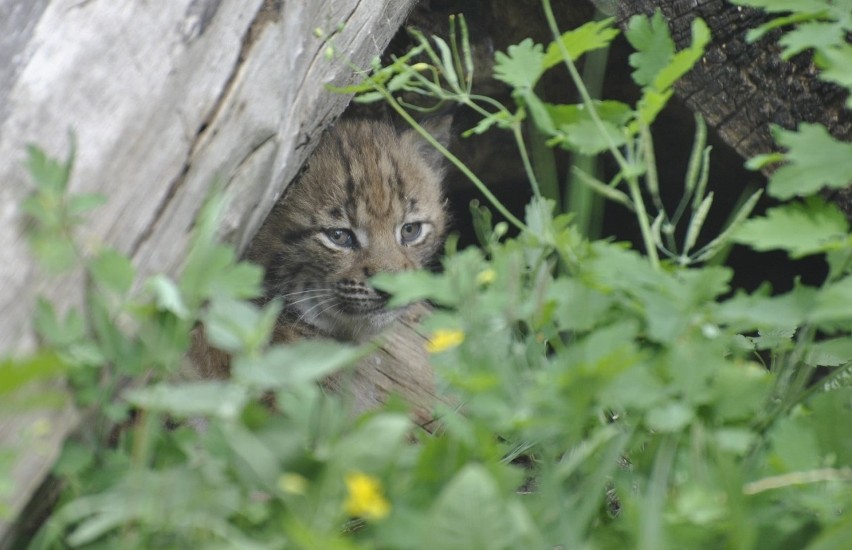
(370,201)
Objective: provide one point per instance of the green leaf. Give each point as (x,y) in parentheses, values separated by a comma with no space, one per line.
(413,286)
(116,344)
(55,331)
(75,458)
(657,65)
(827,419)
(48,173)
(539,114)
(538,215)
(586,138)
(654,45)
(746,312)
(794,446)
(17,373)
(167,296)
(578,131)
(740,391)
(615,112)
(636,388)
(237,326)
(368,97)
(82,203)
(215,398)
(777,338)
(836,64)
(814,160)
(588,37)
(521,66)
(112,270)
(670,417)
(759,162)
(374,445)
(256,454)
(55,252)
(649,106)
(685,59)
(813,35)
(834,304)
(735,440)
(471,515)
(177,503)
(801,229)
(759,32)
(295,364)
(836,536)
(571,297)
(502,119)
(830,353)
(780,6)
(211,270)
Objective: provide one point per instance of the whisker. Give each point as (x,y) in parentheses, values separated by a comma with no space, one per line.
(306,291)
(303,315)
(326,310)
(301,292)
(308,299)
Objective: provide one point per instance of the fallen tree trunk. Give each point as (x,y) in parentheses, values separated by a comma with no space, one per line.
(742,89)
(163,99)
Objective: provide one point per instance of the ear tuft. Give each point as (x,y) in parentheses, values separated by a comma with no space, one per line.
(440,128)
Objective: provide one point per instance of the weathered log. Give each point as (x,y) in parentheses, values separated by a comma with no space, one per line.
(742,89)
(164,98)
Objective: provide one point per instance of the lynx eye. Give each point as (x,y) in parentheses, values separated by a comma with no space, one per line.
(343,238)
(410,232)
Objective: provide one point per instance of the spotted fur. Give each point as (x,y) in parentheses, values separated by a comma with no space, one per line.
(370,201)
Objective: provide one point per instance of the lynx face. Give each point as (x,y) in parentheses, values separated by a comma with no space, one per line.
(370,201)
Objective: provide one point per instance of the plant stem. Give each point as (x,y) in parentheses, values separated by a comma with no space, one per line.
(528,167)
(581,87)
(644,225)
(495,202)
(632,182)
(585,203)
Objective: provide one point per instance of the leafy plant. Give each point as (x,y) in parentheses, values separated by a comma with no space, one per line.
(606,398)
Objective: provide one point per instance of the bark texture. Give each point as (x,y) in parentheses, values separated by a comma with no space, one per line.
(742,89)
(165,99)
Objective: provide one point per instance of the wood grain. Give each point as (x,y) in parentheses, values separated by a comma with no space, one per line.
(165,99)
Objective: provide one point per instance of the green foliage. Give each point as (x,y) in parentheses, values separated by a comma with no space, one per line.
(802,229)
(819,26)
(637,400)
(814,160)
(592,36)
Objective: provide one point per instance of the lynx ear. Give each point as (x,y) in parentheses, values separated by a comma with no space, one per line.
(440,128)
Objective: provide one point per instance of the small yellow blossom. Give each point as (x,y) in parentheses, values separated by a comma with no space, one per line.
(41,428)
(420,67)
(293,484)
(365,497)
(486,277)
(444,339)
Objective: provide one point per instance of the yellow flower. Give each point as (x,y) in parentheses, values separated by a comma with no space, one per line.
(486,277)
(365,497)
(293,484)
(444,339)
